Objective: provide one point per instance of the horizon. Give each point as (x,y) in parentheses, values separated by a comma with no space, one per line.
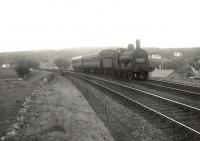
(59,49)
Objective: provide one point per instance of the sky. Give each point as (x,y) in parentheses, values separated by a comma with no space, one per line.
(55,24)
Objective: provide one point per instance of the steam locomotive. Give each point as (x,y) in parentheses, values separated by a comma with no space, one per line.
(128,62)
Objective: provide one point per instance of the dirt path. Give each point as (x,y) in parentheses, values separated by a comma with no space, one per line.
(60,112)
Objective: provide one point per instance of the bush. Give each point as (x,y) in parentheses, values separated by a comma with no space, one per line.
(33,63)
(62,63)
(22,68)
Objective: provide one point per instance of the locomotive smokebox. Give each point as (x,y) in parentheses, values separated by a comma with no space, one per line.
(137,44)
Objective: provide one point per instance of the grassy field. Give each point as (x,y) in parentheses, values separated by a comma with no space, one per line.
(8,73)
(60,113)
(13,94)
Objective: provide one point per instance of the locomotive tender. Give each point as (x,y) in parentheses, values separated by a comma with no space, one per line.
(128,63)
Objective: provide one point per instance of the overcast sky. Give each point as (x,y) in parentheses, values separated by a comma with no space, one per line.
(53,24)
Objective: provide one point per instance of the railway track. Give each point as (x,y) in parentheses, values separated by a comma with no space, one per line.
(176,85)
(180,90)
(187,94)
(184,119)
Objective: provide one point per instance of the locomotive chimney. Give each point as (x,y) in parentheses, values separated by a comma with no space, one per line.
(137,44)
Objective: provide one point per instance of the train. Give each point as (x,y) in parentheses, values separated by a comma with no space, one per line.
(130,63)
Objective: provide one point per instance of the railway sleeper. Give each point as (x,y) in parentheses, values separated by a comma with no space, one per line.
(180,114)
(187,118)
(191,123)
(170,110)
(179,134)
(186,113)
(184,137)
(163,110)
(184,117)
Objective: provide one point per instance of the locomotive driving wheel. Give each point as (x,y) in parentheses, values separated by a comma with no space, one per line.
(144,76)
(130,75)
(138,76)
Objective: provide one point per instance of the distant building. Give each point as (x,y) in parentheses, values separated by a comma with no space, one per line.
(5,66)
(48,65)
(155,56)
(177,54)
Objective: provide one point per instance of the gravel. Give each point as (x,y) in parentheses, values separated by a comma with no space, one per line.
(126,120)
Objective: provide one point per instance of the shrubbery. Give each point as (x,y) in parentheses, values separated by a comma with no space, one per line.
(62,63)
(22,68)
(24,65)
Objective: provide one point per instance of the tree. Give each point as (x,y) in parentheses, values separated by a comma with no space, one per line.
(22,68)
(175,63)
(62,63)
(33,63)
